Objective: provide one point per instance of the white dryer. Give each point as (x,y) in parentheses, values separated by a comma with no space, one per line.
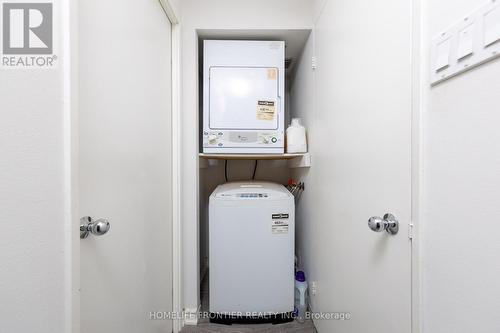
(251,249)
(243,96)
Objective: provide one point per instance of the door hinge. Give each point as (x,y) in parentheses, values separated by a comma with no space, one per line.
(410,230)
(314,63)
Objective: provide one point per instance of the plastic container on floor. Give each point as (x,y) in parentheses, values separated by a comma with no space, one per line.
(300,296)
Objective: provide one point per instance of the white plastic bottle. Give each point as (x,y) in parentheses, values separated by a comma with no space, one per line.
(296,137)
(300,296)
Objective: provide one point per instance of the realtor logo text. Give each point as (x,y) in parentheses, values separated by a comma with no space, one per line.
(27,35)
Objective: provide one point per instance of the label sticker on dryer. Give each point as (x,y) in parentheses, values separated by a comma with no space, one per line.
(266,110)
(271,74)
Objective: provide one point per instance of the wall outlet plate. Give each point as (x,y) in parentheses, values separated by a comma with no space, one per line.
(314,288)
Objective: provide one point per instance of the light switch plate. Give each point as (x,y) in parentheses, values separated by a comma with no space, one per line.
(492,26)
(472,42)
(443,49)
(465,42)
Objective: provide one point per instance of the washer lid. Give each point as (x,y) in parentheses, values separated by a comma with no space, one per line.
(251,190)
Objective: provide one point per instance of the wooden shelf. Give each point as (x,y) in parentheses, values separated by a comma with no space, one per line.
(249,156)
(294,160)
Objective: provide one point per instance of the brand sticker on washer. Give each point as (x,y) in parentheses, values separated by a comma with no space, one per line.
(266,110)
(280,227)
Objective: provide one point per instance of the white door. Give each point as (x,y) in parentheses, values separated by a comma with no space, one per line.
(125,164)
(363,96)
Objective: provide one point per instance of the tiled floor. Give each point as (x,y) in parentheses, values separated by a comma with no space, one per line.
(204,326)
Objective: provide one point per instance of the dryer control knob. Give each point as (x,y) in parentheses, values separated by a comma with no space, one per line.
(212,139)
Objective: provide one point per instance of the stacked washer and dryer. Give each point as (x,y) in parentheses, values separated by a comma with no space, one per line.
(251,224)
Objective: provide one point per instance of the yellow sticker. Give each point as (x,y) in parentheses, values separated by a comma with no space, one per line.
(271,74)
(266,110)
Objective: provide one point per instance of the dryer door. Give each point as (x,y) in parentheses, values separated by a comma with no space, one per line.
(244,98)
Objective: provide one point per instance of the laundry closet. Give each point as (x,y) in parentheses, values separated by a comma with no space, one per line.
(245,109)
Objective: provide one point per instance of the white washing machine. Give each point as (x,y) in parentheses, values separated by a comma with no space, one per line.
(251,251)
(243,96)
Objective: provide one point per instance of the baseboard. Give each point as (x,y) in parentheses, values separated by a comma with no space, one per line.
(191,316)
(277,318)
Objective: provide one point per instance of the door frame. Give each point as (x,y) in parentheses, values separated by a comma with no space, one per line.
(71,138)
(173,16)
(418,54)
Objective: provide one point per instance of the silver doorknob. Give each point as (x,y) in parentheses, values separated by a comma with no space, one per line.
(95,227)
(389,223)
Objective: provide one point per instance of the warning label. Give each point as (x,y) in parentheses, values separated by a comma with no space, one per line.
(266,110)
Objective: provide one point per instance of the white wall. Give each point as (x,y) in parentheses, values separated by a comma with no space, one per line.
(461,190)
(35,197)
(215,14)
(176,6)
(303,106)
